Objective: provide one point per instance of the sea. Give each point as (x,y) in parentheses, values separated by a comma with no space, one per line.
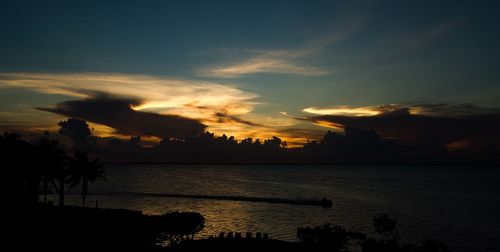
(458,205)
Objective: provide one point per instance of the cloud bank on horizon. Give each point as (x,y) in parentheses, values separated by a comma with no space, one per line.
(450,125)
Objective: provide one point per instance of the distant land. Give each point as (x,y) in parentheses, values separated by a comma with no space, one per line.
(353,146)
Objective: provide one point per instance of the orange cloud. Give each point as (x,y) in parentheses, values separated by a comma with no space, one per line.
(329,124)
(224,108)
(368,110)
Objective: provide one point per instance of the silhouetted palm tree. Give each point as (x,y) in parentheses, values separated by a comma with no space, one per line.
(84,171)
(53,166)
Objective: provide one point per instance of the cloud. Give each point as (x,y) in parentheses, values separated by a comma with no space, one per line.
(224,118)
(343,110)
(224,109)
(418,124)
(161,95)
(118,114)
(281,61)
(155,92)
(430,109)
(263,64)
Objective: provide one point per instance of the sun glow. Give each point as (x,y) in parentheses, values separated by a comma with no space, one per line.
(328,124)
(343,110)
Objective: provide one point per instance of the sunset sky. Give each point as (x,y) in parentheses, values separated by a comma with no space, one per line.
(251,68)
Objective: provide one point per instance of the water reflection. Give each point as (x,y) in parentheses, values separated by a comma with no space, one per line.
(442,202)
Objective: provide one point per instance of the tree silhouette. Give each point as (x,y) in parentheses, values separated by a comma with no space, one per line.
(52,160)
(18,173)
(181,226)
(84,170)
(78,130)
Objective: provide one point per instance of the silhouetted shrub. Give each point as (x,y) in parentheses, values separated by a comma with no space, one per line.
(390,239)
(386,226)
(181,226)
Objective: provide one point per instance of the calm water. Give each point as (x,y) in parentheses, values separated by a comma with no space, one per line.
(458,205)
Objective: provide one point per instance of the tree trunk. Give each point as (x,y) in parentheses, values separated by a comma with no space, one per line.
(61,192)
(46,188)
(85,185)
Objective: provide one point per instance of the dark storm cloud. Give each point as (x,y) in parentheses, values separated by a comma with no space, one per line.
(224,118)
(440,126)
(118,114)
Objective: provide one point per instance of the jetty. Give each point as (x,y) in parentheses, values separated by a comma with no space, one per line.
(309,202)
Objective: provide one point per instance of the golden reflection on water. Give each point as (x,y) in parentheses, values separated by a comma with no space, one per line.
(220,215)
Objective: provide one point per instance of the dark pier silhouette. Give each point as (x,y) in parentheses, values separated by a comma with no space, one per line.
(309,202)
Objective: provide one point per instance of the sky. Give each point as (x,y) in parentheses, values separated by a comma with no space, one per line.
(294,69)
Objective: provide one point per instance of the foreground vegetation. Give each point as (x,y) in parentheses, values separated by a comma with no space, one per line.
(54,228)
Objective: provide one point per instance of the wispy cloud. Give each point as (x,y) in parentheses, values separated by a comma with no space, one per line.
(286,61)
(361,111)
(154,92)
(342,110)
(263,64)
(427,109)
